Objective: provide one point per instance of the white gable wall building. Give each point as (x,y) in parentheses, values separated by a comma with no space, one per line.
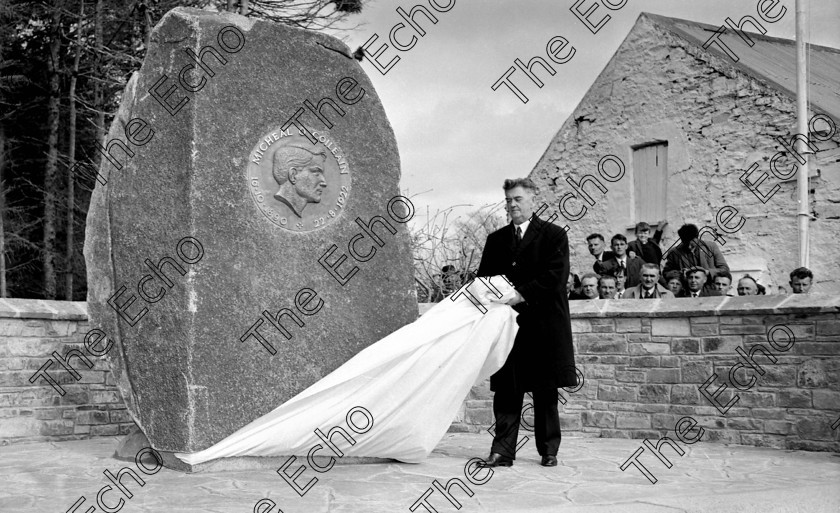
(687,122)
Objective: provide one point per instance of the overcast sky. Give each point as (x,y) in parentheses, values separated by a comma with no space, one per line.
(458,139)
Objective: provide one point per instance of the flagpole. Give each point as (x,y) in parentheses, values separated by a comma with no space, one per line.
(802,128)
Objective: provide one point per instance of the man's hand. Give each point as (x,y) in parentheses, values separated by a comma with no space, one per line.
(517,298)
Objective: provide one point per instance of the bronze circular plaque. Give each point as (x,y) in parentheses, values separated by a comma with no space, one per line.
(298,185)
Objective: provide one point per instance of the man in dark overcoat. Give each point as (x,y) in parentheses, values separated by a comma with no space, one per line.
(695,252)
(534,256)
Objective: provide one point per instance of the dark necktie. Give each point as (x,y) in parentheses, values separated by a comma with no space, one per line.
(648,295)
(621,264)
(518,235)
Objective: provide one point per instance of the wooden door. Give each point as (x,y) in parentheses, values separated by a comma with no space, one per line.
(650,181)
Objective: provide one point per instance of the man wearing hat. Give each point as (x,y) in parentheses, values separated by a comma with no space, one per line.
(696,278)
(694,252)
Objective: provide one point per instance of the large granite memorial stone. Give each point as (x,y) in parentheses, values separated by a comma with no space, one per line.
(232,262)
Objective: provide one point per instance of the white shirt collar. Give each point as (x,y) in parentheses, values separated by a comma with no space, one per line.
(524,227)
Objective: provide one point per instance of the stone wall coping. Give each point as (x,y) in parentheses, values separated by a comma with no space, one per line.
(707,306)
(680,307)
(701,307)
(43,309)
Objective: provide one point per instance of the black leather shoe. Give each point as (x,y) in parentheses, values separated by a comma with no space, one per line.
(548,461)
(496,460)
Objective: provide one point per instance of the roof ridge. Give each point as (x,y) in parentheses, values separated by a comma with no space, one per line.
(668,22)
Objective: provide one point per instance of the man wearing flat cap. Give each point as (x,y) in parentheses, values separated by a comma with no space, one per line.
(694,252)
(696,279)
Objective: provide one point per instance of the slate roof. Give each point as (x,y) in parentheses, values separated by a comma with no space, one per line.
(771,60)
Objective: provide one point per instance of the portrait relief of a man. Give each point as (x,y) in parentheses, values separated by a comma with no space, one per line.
(300,174)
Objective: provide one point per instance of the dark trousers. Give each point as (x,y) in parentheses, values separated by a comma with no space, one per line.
(507,407)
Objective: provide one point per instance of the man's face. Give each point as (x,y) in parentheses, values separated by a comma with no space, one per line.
(649,278)
(596,246)
(519,203)
(747,287)
(450,278)
(620,281)
(607,289)
(800,285)
(589,288)
(309,180)
(643,235)
(688,246)
(722,284)
(696,280)
(619,247)
(675,286)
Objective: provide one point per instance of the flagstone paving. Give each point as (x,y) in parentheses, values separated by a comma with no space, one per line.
(45,477)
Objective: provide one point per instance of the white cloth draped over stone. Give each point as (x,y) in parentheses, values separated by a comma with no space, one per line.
(412,382)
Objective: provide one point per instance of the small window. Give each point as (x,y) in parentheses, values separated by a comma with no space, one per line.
(650,181)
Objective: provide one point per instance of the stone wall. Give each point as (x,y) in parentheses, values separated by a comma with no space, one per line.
(30,330)
(644,363)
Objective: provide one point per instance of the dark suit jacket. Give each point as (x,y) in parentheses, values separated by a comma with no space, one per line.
(650,252)
(704,292)
(542,356)
(634,270)
(606,255)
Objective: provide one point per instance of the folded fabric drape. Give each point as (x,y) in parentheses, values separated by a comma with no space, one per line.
(412,382)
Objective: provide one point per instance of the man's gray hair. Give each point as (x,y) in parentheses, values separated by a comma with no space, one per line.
(652,267)
(525,183)
(589,275)
(287,157)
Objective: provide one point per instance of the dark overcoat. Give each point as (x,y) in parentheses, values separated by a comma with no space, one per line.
(705,254)
(543,355)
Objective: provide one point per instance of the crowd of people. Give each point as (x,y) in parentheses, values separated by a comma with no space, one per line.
(637,270)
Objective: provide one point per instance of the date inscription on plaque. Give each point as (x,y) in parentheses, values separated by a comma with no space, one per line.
(298,185)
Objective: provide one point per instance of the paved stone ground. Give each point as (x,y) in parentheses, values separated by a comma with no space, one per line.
(709,477)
